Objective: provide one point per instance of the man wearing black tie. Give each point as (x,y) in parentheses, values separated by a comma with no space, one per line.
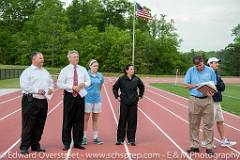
(73,79)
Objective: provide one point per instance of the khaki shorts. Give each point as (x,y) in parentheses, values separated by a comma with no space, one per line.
(93,107)
(218,113)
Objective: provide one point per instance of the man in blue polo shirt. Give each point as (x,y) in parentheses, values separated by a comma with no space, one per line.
(200,105)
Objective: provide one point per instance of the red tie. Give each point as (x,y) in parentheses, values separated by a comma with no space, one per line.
(75,81)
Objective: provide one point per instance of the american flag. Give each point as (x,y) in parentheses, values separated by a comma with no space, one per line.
(142,12)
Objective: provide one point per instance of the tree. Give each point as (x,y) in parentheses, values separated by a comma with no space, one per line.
(89,44)
(82,13)
(230,59)
(13,15)
(231,54)
(236,33)
(100,29)
(162,49)
(116,13)
(115,49)
(46,31)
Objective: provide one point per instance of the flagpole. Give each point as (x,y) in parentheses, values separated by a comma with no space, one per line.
(133,37)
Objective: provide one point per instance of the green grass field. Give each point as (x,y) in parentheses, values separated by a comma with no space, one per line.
(231,98)
(9,83)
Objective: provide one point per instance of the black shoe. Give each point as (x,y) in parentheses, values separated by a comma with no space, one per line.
(65,148)
(132,143)
(209,152)
(38,150)
(118,143)
(24,151)
(193,150)
(79,147)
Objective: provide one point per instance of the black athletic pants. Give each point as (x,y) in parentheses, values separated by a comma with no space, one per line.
(127,121)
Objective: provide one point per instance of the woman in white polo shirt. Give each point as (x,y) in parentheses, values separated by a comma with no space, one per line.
(93,101)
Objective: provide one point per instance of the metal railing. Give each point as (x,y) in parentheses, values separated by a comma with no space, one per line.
(10,73)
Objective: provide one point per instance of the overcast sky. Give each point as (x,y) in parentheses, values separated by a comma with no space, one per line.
(202,24)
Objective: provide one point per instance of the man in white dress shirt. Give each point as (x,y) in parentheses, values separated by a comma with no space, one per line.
(73,79)
(36,84)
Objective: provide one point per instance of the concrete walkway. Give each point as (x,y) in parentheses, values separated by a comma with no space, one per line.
(7,91)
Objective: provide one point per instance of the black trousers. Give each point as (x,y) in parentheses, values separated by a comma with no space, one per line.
(73,119)
(34,114)
(127,121)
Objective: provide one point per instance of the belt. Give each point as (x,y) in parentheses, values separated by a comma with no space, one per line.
(39,99)
(69,93)
(30,94)
(66,92)
(200,97)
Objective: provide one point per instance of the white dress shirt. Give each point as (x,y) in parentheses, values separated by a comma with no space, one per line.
(66,76)
(33,78)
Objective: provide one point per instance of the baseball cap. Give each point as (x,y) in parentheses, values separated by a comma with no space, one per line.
(213,59)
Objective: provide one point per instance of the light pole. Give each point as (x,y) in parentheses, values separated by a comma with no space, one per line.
(133,37)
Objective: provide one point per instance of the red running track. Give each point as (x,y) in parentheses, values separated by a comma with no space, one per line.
(162,129)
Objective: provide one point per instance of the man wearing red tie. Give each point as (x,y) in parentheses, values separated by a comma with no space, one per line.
(73,79)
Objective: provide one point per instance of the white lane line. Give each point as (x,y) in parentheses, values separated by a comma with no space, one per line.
(231,97)
(185,106)
(115,118)
(18,97)
(174,114)
(69,151)
(8,115)
(9,149)
(182,119)
(12,113)
(230,114)
(15,143)
(165,134)
(10,99)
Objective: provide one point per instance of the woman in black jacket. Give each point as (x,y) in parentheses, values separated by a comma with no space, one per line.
(132,89)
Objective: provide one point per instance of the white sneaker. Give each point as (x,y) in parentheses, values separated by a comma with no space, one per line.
(84,141)
(97,141)
(227,143)
(204,145)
